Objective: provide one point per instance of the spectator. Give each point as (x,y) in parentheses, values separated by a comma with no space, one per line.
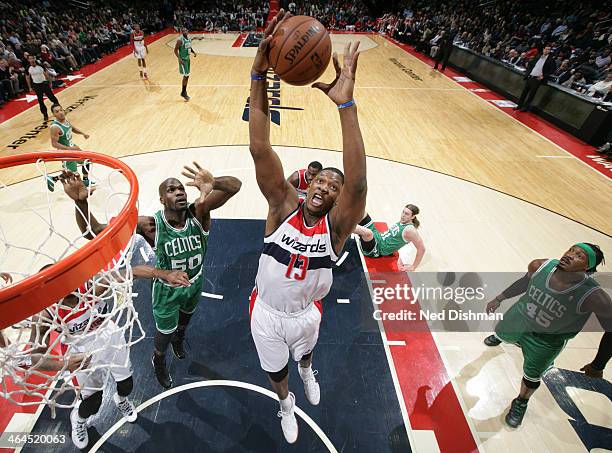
(576,81)
(599,89)
(563,72)
(513,58)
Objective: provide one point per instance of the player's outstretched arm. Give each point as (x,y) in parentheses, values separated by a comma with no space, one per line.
(600,303)
(294,179)
(517,288)
(350,208)
(76,190)
(214,192)
(280,195)
(411,235)
(79,131)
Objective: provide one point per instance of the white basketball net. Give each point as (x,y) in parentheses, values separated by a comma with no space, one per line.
(80,342)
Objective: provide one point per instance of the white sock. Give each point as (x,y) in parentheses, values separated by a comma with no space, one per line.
(286,404)
(144,70)
(120,398)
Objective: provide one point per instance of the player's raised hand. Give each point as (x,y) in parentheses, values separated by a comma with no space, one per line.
(262,63)
(199,177)
(74,186)
(340,90)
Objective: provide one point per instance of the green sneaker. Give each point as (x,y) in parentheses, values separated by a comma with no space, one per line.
(515,415)
(50,183)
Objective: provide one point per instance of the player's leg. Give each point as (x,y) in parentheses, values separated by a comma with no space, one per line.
(539,354)
(187,308)
(118,357)
(91,383)
(184,89)
(302,341)
(139,64)
(273,355)
(368,235)
(86,169)
(144,67)
(166,315)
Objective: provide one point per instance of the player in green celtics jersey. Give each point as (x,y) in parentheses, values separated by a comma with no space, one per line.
(182,50)
(61,138)
(376,244)
(179,235)
(558,297)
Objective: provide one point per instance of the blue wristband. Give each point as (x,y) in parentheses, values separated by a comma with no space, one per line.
(258,77)
(346,104)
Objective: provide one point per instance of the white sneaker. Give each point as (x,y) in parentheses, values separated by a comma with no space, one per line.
(126,408)
(311,386)
(80,438)
(289,422)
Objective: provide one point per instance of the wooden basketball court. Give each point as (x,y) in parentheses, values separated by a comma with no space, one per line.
(493,195)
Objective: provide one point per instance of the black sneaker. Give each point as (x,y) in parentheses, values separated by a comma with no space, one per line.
(603,149)
(515,415)
(178,348)
(492,340)
(184,95)
(161,372)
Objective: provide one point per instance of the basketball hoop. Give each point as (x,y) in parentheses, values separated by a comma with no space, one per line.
(100,268)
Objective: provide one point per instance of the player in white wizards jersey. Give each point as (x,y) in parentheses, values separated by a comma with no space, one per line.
(91,332)
(140,49)
(303,238)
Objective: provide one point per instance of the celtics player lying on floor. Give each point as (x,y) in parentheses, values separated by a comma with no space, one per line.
(375,244)
(179,235)
(558,298)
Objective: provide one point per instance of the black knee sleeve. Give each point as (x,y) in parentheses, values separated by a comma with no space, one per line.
(124,388)
(90,406)
(278,376)
(531,384)
(162,340)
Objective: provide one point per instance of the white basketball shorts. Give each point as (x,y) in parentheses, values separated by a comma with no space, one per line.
(276,334)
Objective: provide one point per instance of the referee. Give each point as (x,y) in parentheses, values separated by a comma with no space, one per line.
(38,79)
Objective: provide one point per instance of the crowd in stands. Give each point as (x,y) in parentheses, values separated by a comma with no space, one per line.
(334,14)
(62,36)
(515,32)
(222,16)
(65,37)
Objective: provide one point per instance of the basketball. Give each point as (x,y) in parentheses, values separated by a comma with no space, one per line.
(300,50)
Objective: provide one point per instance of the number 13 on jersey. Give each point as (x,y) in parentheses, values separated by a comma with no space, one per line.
(298,266)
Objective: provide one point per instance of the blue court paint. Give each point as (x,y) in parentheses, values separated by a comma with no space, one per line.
(359,410)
